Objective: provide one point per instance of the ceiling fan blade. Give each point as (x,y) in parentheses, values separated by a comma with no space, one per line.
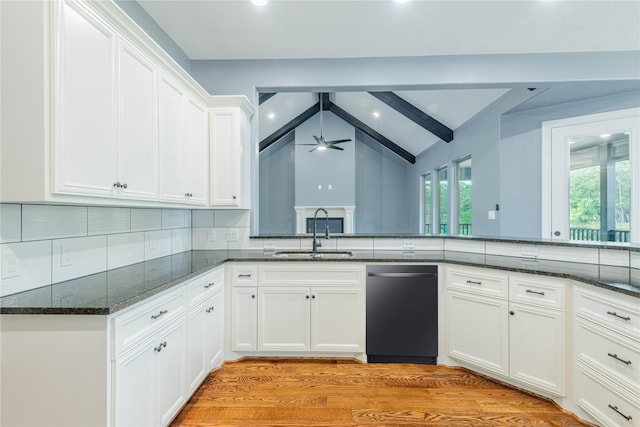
(306,144)
(312,148)
(318,139)
(338,141)
(336,148)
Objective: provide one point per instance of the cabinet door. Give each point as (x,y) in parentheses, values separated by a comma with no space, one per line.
(537,340)
(84,91)
(244,311)
(214,343)
(337,319)
(135,387)
(284,316)
(171,374)
(225,157)
(170,137)
(196,144)
(197,341)
(478,331)
(138,126)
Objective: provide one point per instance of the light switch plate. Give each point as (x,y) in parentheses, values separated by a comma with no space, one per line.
(492,215)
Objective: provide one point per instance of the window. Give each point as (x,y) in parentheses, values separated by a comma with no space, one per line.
(599,195)
(464,196)
(442,199)
(426,194)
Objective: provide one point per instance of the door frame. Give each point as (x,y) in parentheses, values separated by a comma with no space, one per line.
(549,175)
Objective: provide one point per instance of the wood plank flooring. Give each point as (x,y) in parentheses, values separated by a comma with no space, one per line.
(318,392)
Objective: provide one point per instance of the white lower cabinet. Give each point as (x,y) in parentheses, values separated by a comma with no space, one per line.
(281,314)
(244,312)
(513,325)
(478,331)
(316,319)
(151,379)
(607,352)
(206,333)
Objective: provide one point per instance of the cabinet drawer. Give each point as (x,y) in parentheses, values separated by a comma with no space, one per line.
(131,327)
(608,311)
(603,401)
(537,291)
(206,285)
(478,281)
(244,275)
(609,352)
(312,274)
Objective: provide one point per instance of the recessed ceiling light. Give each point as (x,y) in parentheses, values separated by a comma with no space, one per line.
(271,116)
(376,114)
(401,1)
(259,2)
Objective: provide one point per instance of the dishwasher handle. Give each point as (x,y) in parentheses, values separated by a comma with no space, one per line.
(402,275)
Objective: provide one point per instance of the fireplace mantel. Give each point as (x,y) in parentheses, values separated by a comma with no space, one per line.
(304,212)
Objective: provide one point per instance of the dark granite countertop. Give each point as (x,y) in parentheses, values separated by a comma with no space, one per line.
(110,291)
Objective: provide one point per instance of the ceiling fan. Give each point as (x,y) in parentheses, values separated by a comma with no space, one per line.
(321,142)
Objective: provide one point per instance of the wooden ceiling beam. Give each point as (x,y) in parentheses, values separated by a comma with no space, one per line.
(415,114)
(297,121)
(386,142)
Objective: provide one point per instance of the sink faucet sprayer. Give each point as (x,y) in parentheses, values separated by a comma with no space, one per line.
(316,242)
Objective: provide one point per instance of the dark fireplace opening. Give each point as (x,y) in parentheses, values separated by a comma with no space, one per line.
(336,225)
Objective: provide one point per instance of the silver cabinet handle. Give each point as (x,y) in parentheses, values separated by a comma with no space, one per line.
(244,276)
(117,184)
(306,296)
(253,296)
(613,313)
(615,356)
(188,194)
(208,285)
(615,408)
(471,282)
(210,309)
(154,317)
(159,348)
(124,185)
(529,291)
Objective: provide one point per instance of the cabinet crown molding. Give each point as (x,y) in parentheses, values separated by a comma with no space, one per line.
(241,101)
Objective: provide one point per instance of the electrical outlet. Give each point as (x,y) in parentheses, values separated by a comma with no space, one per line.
(66,258)
(10,265)
(232,235)
(211,235)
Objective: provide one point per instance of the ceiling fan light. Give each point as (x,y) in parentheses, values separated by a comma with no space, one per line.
(259,2)
(322,147)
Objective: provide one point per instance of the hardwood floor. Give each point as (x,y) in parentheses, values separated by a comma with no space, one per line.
(317,392)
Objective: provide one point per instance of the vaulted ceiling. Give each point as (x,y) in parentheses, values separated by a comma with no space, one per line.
(406,122)
(300,29)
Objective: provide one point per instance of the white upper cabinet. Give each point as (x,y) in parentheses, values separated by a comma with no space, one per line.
(196,151)
(230,160)
(84,99)
(137,126)
(172,153)
(183,146)
(100,114)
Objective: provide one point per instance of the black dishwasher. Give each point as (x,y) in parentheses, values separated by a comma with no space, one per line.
(402,314)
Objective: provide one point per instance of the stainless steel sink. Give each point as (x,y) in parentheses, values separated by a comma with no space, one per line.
(313,255)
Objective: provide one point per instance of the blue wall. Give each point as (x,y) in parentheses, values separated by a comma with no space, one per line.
(520,160)
(146,22)
(277,187)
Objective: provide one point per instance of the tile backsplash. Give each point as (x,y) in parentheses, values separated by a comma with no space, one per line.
(44,244)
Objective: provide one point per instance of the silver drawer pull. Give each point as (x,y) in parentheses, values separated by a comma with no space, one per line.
(207,286)
(613,313)
(615,356)
(471,282)
(615,408)
(210,309)
(154,317)
(243,276)
(159,348)
(529,291)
